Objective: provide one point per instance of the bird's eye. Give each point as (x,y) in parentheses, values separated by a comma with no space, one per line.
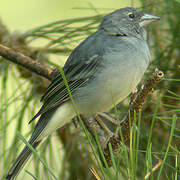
(131,15)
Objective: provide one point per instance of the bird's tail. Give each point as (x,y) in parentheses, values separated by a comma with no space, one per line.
(20,161)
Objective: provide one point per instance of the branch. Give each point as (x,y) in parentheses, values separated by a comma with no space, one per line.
(27,62)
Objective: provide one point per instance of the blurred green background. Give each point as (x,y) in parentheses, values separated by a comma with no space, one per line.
(23,14)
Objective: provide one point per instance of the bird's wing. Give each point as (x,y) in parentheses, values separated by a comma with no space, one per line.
(77,74)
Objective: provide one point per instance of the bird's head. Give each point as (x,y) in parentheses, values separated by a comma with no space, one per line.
(127,21)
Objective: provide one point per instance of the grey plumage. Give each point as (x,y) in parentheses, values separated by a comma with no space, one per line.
(102,71)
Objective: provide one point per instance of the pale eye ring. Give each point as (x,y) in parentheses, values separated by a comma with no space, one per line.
(131,15)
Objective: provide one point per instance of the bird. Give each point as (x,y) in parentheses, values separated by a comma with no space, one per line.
(100,72)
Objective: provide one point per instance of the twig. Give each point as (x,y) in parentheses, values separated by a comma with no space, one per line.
(153,169)
(27,62)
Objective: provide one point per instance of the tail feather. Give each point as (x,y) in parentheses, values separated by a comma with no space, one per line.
(20,161)
(34,141)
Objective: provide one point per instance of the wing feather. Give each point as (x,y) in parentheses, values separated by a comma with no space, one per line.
(76,77)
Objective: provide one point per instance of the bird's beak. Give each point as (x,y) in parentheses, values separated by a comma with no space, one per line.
(147,18)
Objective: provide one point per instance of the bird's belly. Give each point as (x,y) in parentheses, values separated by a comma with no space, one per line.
(106,92)
(118,76)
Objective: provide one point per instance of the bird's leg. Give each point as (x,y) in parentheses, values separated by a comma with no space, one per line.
(109,118)
(104,127)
